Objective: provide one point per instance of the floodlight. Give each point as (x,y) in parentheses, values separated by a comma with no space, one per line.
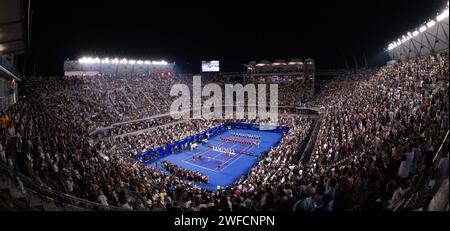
(415,33)
(140,62)
(422,29)
(431,23)
(162,62)
(132,62)
(87,60)
(146,62)
(442,16)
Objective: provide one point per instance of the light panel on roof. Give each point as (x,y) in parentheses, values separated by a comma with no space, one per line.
(422,29)
(90,60)
(442,16)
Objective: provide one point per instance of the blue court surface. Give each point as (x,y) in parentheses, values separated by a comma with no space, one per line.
(220,166)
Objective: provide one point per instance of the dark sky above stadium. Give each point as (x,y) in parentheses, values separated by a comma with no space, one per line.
(234,32)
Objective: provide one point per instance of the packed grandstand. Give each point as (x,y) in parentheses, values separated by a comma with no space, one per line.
(103,136)
(372,139)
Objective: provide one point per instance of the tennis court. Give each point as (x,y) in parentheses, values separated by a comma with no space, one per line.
(222,167)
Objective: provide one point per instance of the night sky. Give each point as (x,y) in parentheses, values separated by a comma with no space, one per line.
(234,33)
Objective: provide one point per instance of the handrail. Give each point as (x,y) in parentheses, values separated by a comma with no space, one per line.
(8,68)
(315,109)
(440,147)
(312,141)
(65,198)
(83,203)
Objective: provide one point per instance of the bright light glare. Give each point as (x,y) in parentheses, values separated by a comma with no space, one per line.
(442,16)
(162,62)
(90,60)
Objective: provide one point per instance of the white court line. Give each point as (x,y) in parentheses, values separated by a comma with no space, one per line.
(228,163)
(225,164)
(206,151)
(239,156)
(232,146)
(199,166)
(218,160)
(190,156)
(198,153)
(211,158)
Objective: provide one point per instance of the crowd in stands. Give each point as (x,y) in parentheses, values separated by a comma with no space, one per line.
(89,103)
(294,93)
(159,136)
(380,131)
(184,173)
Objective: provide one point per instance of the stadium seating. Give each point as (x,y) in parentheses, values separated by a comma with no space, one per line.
(377,144)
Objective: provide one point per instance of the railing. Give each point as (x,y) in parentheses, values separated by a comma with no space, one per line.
(7,65)
(422,197)
(439,152)
(62,198)
(312,140)
(59,197)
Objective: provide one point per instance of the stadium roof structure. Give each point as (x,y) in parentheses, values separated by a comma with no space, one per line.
(428,38)
(280,65)
(12,28)
(278,62)
(91,66)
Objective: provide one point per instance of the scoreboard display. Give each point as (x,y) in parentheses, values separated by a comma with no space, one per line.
(210,66)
